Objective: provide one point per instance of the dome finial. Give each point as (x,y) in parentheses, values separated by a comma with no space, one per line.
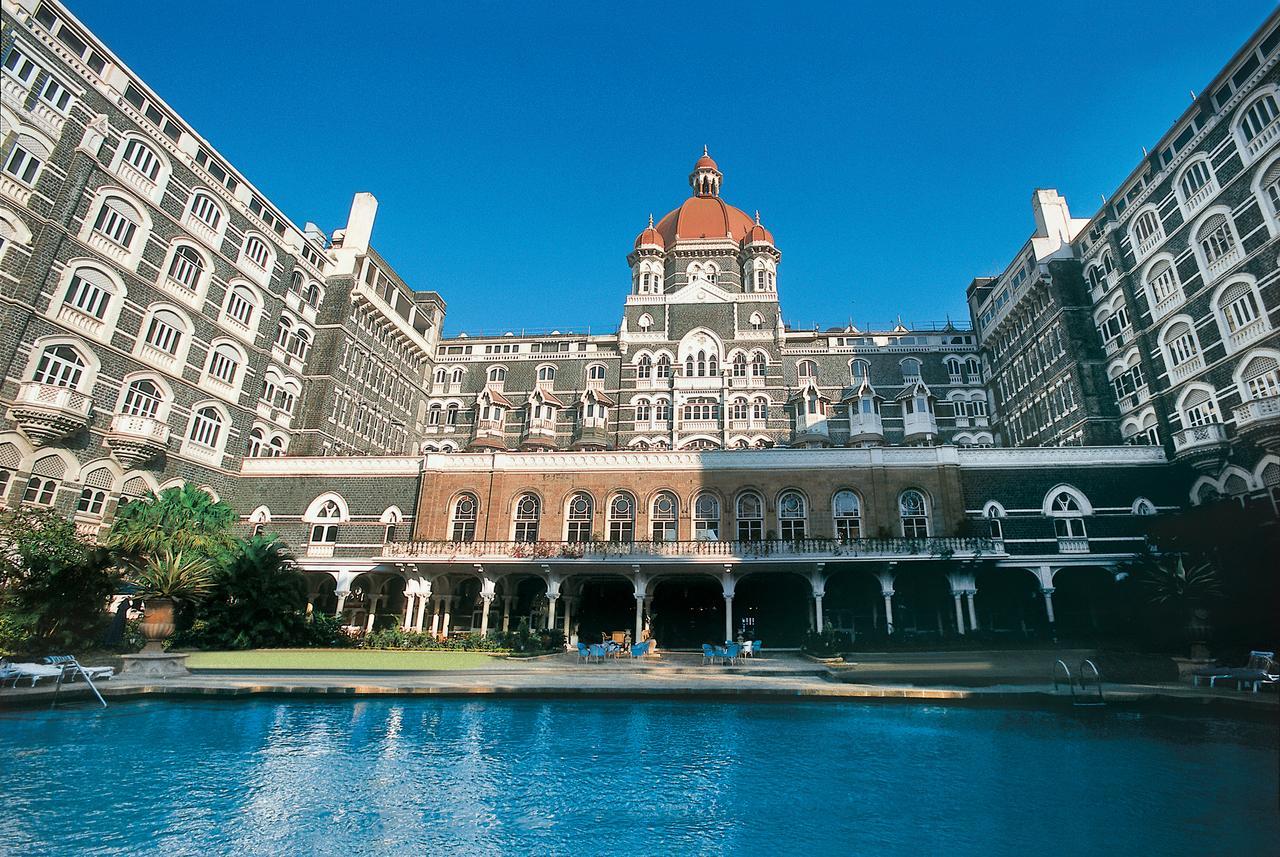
(704,150)
(757,217)
(651,220)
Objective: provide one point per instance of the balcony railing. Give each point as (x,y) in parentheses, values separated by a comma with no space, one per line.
(50,396)
(1248,332)
(1196,437)
(919,423)
(744,550)
(1203,195)
(1220,265)
(1264,139)
(1072,545)
(1256,410)
(140,427)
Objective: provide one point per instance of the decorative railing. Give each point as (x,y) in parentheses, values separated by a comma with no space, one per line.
(1151,242)
(1209,434)
(919,423)
(1264,139)
(1072,545)
(140,427)
(50,396)
(1247,333)
(1257,409)
(1187,368)
(1220,265)
(1200,197)
(747,550)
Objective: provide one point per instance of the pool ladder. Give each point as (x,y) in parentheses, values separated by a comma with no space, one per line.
(67,662)
(1085,698)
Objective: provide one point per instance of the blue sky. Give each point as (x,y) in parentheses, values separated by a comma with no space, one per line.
(517,149)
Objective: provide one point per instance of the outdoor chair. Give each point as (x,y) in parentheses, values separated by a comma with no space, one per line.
(639,650)
(1259,670)
(94,673)
(8,672)
(584,654)
(598,652)
(35,672)
(756,646)
(732,653)
(709,654)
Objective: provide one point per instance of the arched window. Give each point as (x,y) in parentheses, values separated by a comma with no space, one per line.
(300,344)
(224,363)
(644,411)
(1165,291)
(164,331)
(240,306)
(1260,377)
(1147,232)
(579,517)
(759,366)
(90,291)
(1199,408)
(60,366)
(451,414)
(256,447)
(663,367)
(324,530)
(910,370)
(1181,346)
(142,399)
(1270,187)
(206,428)
(739,410)
(644,368)
(995,527)
(1218,246)
(595,372)
(40,491)
(1258,124)
(738,368)
(914,513)
(846,509)
(91,502)
(528,511)
(756,321)
(759,409)
(706,518)
(622,518)
(462,521)
(1068,516)
(117,221)
(1239,314)
(750,517)
(311,295)
(456,377)
(1197,184)
(973,369)
(142,158)
(497,374)
(1143,507)
(26,158)
(807,369)
(186,268)
(646,321)
(546,374)
(284,329)
(860,371)
(205,210)
(954,369)
(663,517)
(792,515)
(257,252)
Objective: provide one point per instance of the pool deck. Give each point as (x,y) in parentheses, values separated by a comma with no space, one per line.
(942,678)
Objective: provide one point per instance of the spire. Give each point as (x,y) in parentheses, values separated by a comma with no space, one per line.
(706,176)
(757,217)
(651,220)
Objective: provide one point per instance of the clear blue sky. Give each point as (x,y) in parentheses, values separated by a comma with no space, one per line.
(517,149)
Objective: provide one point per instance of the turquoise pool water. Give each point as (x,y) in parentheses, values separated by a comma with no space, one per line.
(631,778)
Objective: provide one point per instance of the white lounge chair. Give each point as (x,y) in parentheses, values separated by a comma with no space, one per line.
(77,668)
(35,672)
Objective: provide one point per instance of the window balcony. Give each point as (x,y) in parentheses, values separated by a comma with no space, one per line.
(14,189)
(746,382)
(1203,447)
(590,434)
(1207,192)
(47,119)
(1223,263)
(1185,370)
(810,429)
(1134,399)
(699,426)
(918,427)
(1072,544)
(625,553)
(1167,305)
(539,434)
(109,248)
(136,440)
(489,434)
(136,180)
(1259,421)
(1263,141)
(320,550)
(44,412)
(1248,333)
(202,231)
(865,427)
(1150,243)
(81,321)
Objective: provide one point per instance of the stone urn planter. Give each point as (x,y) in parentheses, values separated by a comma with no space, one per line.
(157,623)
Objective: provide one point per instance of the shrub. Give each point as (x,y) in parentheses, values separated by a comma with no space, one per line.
(826,644)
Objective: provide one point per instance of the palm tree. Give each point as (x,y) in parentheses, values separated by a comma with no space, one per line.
(179,520)
(173,576)
(1184,594)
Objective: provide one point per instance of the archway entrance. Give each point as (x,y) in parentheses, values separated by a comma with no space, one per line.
(324,597)
(1085,602)
(773,607)
(1009,603)
(854,604)
(606,604)
(688,612)
(923,604)
(530,603)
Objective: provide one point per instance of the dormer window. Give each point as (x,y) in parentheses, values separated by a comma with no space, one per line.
(497,374)
(756,321)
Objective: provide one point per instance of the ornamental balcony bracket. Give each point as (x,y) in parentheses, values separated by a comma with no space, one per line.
(135,440)
(1203,447)
(45,413)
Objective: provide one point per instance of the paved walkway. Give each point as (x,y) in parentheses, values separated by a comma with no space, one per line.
(779,677)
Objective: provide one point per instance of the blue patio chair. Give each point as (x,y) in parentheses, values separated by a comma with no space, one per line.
(708,654)
(756,646)
(732,652)
(597,651)
(639,650)
(584,654)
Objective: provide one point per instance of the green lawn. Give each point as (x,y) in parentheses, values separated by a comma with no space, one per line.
(354,660)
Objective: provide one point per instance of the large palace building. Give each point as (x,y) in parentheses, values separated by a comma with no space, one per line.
(701,473)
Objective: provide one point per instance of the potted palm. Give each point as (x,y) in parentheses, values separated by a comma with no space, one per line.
(162,579)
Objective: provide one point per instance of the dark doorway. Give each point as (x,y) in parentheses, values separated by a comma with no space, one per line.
(688,613)
(1084,603)
(606,605)
(923,604)
(854,604)
(530,603)
(1009,603)
(773,608)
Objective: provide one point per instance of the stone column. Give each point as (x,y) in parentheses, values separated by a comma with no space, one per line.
(447,603)
(423,600)
(435,616)
(640,599)
(410,601)
(342,603)
(959,598)
(568,616)
(817,612)
(373,612)
(888,610)
(973,613)
(485,603)
(1048,604)
(728,618)
(506,613)
(551,611)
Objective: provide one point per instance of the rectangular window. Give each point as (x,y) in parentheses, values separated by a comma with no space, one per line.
(20,67)
(56,95)
(22,165)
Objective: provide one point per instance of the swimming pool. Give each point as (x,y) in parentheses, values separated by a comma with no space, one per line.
(402,776)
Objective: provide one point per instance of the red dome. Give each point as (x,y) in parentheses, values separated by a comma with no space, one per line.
(706,162)
(650,238)
(705,217)
(757,234)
